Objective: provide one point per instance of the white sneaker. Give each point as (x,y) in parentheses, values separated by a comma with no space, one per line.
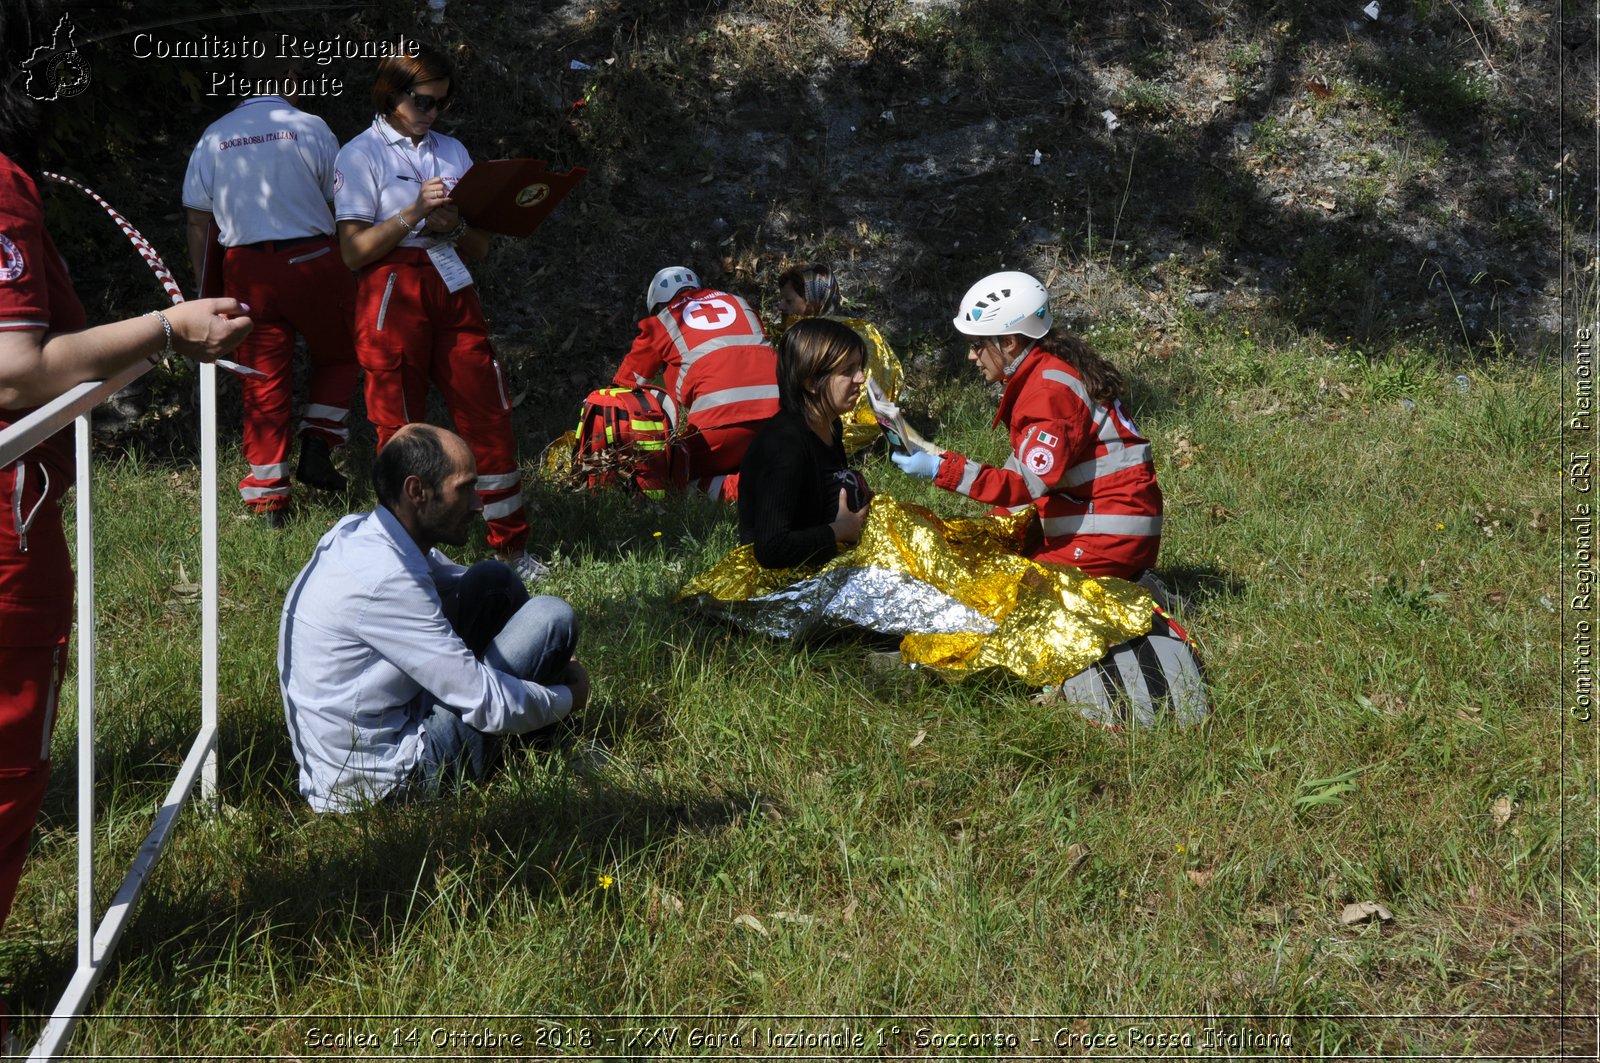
(529,568)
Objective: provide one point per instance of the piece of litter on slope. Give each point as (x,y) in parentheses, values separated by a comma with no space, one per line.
(1371,10)
(1038,157)
(579,64)
(1463,383)
(1112,122)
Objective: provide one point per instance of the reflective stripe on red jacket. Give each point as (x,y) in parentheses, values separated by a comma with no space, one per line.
(1083,464)
(712,352)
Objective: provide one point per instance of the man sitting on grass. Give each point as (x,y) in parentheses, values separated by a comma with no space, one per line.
(399,668)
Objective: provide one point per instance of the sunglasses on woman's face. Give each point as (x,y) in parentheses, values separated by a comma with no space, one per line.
(428,104)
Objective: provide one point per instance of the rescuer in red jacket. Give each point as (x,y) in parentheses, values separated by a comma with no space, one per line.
(1074,452)
(712,353)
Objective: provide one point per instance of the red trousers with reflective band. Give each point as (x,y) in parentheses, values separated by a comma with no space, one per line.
(305,289)
(411,331)
(35,620)
(719,450)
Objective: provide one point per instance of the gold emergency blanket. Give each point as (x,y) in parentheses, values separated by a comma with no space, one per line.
(555,462)
(860,427)
(958,591)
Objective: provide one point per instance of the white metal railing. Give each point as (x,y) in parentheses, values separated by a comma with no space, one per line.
(96,944)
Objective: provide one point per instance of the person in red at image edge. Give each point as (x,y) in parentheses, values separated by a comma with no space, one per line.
(45,349)
(1074,452)
(265,172)
(710,350)
(418,316)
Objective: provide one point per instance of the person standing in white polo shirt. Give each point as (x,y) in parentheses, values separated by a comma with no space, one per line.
(418,317)
(265,173)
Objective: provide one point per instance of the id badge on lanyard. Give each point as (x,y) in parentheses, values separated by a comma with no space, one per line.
(451,269)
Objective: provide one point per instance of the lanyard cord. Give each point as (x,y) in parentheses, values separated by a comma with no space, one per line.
(377,123)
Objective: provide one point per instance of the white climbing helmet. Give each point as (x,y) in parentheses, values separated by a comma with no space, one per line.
(1005,303)
(667,283)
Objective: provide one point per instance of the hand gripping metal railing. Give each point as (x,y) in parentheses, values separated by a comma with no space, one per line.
(97,943)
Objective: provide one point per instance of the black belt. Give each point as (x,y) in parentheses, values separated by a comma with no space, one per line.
(283,245)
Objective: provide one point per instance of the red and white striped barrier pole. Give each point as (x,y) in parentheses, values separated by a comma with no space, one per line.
(151,259)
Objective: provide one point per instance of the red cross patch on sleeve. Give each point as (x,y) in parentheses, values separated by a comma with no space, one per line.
(1039,450)
(12,264)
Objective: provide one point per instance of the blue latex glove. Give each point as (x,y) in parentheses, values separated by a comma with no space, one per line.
(920,464)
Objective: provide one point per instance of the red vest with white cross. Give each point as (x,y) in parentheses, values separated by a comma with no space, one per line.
(712,352)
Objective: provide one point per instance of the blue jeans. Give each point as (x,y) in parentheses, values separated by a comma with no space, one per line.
(532,638)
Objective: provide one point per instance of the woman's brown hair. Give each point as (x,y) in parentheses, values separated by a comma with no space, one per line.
(396,73)
(813,349)
(1102,380)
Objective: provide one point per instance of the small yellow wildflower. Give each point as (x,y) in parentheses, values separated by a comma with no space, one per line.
(606,881)
(1438,527)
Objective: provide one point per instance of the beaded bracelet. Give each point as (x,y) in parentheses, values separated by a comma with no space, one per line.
(166,352)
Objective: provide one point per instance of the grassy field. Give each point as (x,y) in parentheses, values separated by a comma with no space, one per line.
(1371,546)
(1317,247)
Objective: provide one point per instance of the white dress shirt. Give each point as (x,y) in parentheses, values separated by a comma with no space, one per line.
(266,171)
(363,639)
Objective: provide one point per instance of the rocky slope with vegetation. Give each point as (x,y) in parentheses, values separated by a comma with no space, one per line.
(1302,168)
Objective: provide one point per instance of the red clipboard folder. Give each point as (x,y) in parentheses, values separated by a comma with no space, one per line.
(512,197)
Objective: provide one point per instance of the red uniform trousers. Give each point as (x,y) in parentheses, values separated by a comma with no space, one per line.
(1122,556)
(35,620)
(719,450)
(713,456)
(412,331)
(291,286)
